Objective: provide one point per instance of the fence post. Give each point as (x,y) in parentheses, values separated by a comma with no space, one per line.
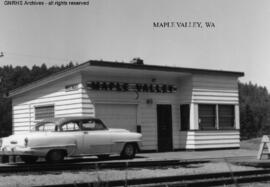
(126,175)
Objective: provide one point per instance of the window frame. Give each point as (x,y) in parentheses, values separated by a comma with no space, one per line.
(217,117)
(213,117)
(227,116)
(40,116)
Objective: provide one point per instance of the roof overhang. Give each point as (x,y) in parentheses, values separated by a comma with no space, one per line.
(118,65)
(164,68)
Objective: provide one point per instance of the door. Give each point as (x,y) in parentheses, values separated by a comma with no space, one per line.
(97,139)
(118,115)
(97,142)
(164,123)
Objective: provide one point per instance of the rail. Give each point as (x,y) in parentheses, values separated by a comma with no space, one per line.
(209,179)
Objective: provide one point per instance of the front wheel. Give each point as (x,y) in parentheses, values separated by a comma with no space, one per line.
(129,151)
(29,159)
(55,156)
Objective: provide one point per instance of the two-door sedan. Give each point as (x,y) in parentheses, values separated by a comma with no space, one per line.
(54,139)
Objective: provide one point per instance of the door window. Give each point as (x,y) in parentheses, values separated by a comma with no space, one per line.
(70,126)
(46,126)
(90,125)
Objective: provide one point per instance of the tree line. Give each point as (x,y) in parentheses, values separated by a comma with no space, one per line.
(254,103)
(14,77)
(254,100)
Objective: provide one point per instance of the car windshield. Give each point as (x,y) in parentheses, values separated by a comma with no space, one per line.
(46,126)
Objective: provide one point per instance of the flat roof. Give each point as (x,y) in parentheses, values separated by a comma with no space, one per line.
(119,65)
(162,68)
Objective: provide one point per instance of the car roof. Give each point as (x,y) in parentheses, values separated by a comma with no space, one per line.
(61,120)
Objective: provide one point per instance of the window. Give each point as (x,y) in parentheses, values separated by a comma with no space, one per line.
(70,126)
(43,112)
(184,112)
(71,87)
(207,117)
(46,126)
(226,116)
(216,117)
(92,125)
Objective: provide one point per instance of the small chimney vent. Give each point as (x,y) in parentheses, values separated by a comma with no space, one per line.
(137,61)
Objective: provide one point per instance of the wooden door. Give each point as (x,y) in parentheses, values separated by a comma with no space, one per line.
(164,123)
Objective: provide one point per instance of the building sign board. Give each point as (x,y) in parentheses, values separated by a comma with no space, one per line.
(130,87)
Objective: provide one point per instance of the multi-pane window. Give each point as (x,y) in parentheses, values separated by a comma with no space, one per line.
(216,117)
(226,116)
(43,112)
(207,117)
(184,112)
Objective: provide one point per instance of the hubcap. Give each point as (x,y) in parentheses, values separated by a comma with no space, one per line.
(129,150)
(56,156)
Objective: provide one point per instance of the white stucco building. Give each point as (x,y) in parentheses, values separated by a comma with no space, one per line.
(174,108)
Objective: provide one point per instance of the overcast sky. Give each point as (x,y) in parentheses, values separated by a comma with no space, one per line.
(120,30)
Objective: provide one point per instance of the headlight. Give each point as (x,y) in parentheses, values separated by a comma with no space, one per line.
(26,142)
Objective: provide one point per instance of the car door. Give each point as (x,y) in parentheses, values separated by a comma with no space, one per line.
(72,132)
(97,139)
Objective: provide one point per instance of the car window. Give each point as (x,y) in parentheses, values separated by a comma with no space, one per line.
(70,126)
(46,127)
(92,125)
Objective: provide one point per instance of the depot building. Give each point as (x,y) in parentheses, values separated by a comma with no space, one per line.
(174,108)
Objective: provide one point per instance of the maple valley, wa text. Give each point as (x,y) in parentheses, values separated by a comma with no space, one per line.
(187,24)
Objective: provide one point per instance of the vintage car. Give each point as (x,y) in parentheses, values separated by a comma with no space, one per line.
(57,138)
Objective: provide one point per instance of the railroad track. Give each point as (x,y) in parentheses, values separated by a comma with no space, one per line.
(81,164)
(209,179)
(65,166)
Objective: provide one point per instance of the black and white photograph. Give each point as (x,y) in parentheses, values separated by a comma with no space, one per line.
(152,93)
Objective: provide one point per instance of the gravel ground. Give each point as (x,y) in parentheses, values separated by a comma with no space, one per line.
(257,184)
(113,174)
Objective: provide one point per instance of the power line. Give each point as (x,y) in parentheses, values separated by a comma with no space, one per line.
(34,56)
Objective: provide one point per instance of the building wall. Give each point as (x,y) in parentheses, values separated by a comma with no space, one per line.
(65,103)
(193,90)
(210,89)
(146,113)
(209,139)
(214,89)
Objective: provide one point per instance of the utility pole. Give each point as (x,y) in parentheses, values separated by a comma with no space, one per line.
(1,77)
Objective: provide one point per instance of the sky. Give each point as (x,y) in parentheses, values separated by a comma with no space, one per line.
(120,30)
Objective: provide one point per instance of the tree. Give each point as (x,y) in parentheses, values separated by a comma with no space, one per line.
(14,77)
(254,103)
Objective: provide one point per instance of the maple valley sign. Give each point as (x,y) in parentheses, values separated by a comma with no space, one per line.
(129,87)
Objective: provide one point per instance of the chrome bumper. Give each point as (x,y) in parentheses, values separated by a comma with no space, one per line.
(140,146)
(16,151)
